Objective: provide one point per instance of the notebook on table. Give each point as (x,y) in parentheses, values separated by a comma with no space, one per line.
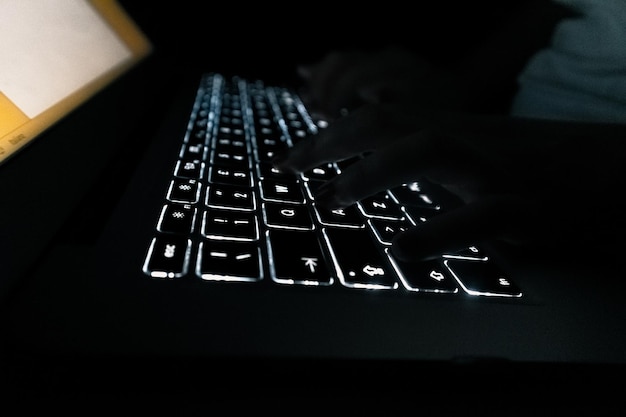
(155,234)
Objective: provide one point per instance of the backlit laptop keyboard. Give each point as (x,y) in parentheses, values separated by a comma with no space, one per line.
(229,215)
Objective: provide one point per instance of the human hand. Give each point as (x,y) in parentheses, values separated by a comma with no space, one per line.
(520,181)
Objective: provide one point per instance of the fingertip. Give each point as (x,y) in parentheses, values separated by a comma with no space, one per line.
(409,246)
(398,250)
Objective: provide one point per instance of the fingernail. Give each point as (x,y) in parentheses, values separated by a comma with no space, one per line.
(408,250)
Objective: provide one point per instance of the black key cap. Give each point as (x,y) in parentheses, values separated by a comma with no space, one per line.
(230,225)
(268,172)
(385,230)
(482,278)
(471,252)
(184,190)
(427,276)
(222,174)
(238,160)
(357,260)
(189,169)
(414,195)
(287,216)
(382,206)
(230,197)
(177,218)
(190,151)
(343,217)
(228,145)
(229,261)
(302,263)
(322,173)
(420,214)
(168,257)
(282,191)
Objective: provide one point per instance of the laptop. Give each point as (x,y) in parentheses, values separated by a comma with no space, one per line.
(146,238)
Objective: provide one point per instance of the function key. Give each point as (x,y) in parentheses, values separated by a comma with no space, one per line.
(184,190)
(177,218)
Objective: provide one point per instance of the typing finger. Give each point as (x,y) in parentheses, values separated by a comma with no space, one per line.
(424,154)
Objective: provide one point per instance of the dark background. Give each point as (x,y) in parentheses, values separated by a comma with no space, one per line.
(260,39)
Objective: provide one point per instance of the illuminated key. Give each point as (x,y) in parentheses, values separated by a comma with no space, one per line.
(358,262)
(303,263)
(229,261)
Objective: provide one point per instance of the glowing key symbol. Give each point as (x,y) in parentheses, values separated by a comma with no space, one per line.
(414,186)
(169,251)
(436,275)
(504,282)
(310,262)
(288,212)
(372,270)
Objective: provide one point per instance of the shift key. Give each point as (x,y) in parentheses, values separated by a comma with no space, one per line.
(358,261)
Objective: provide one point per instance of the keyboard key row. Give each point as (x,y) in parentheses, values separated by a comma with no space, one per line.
(307,263)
